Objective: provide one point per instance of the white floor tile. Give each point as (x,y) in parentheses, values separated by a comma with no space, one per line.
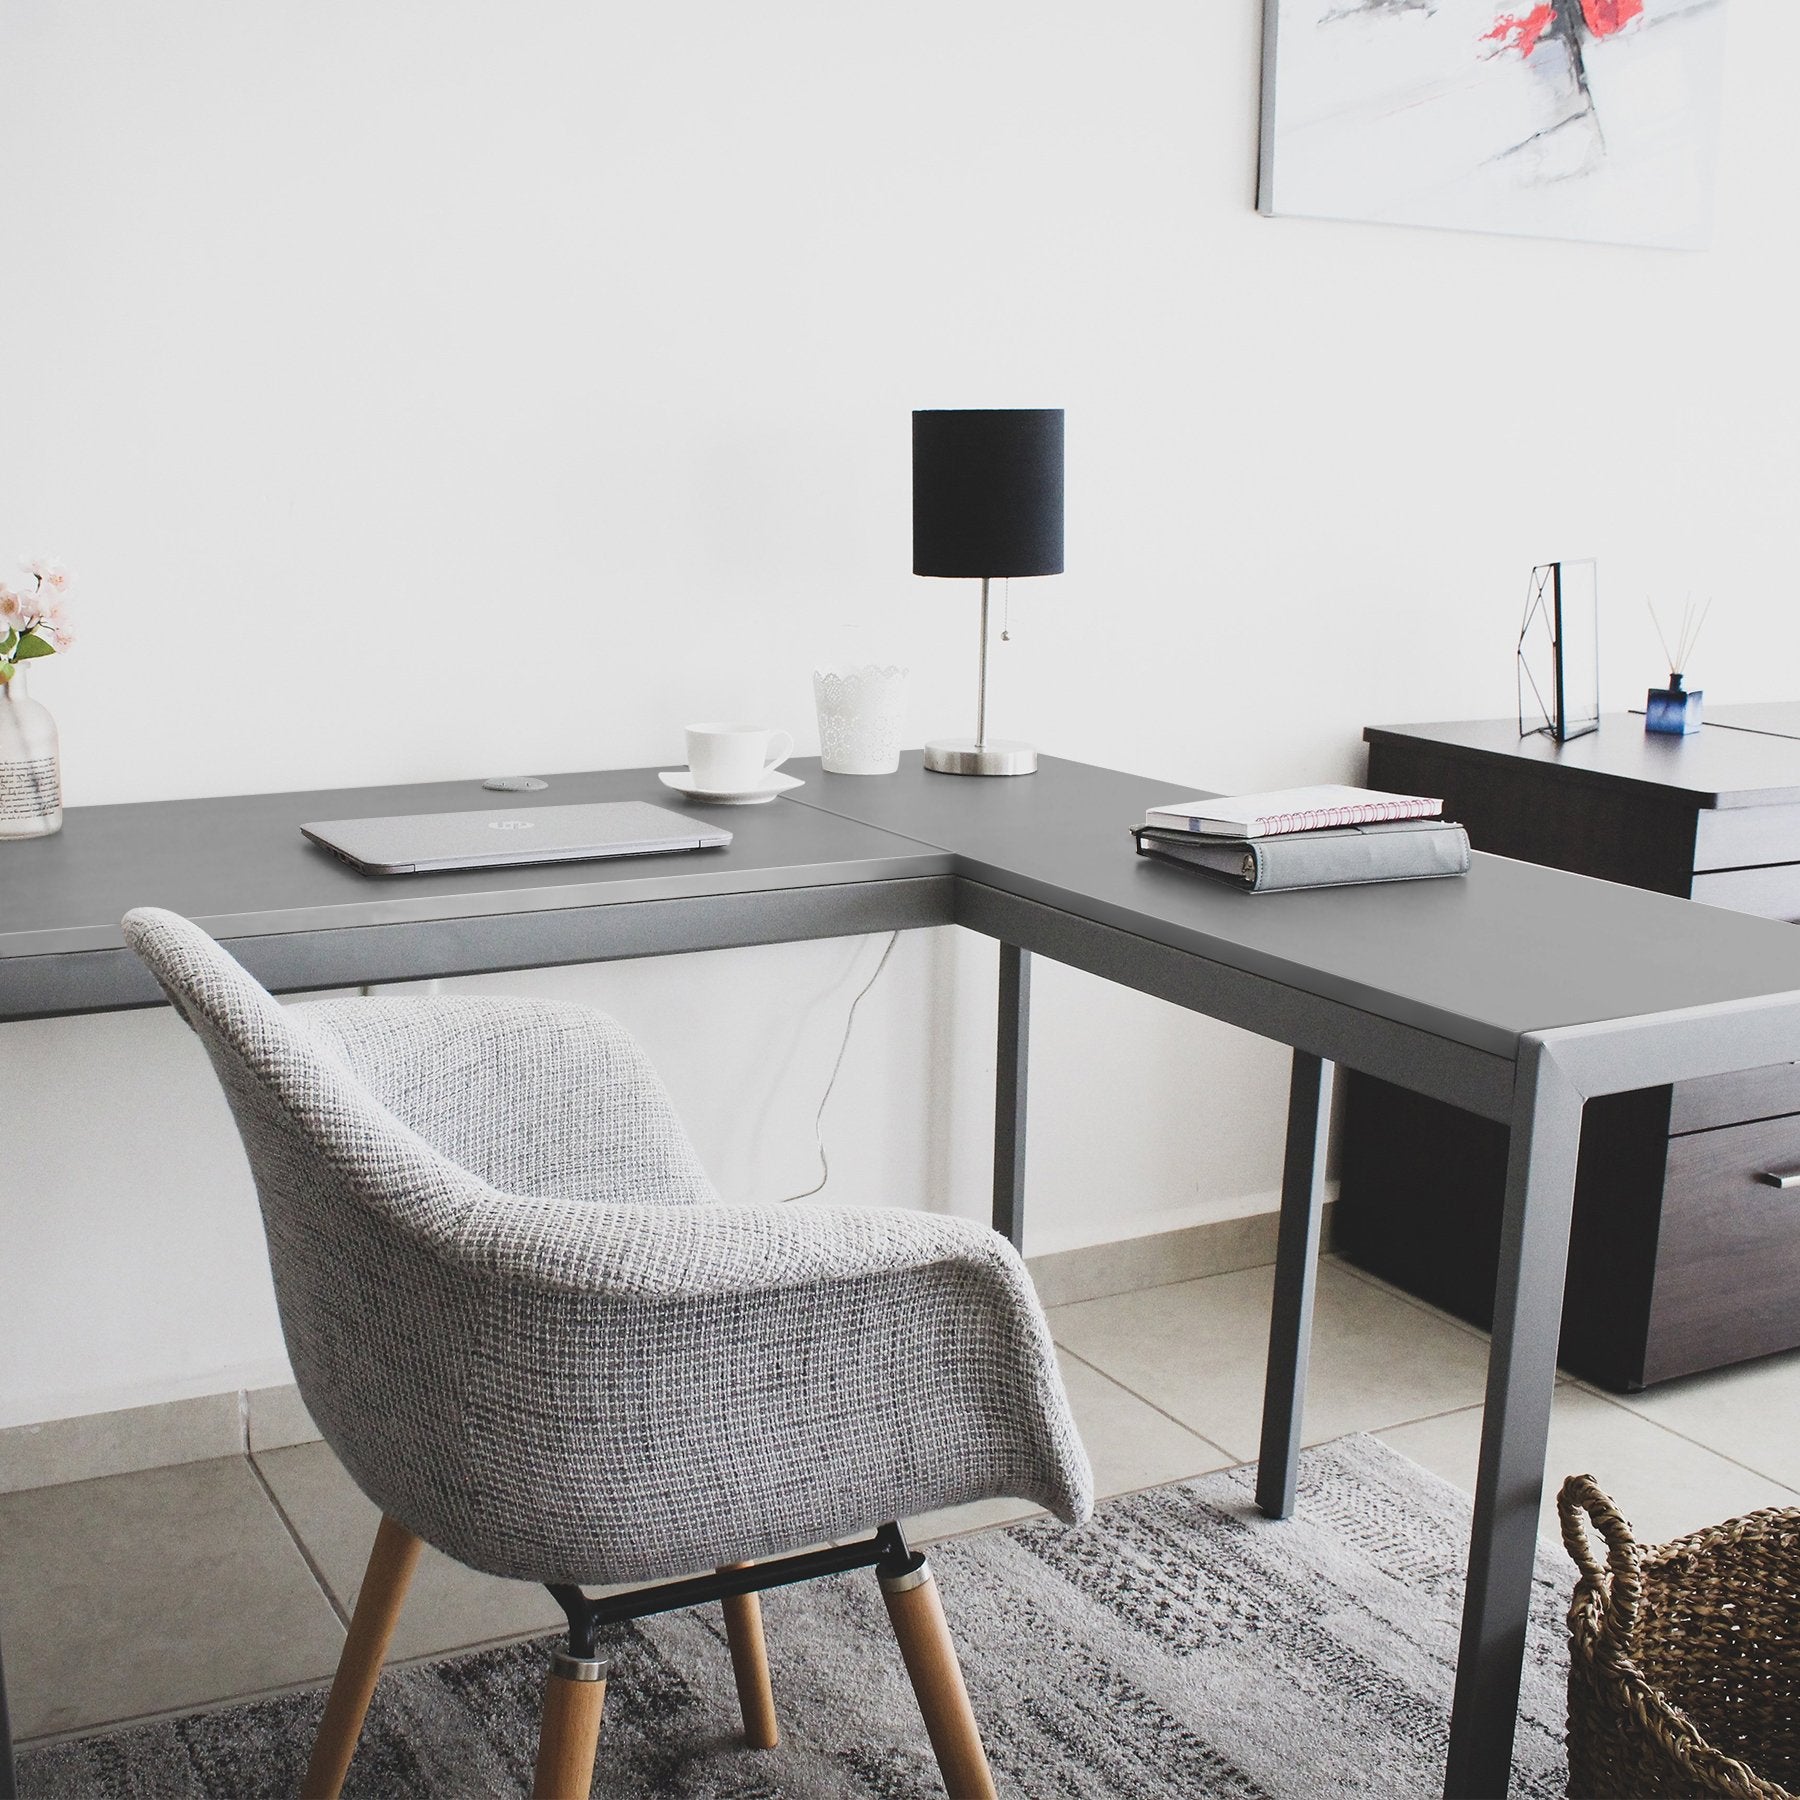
(1129,1442)
(954,1521)
(153,1591)
(447,1606)
(1750,1413)
(1197,1350)
(1664,1485)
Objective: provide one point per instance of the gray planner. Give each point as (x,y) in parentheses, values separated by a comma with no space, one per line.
(1349,856)
(417,842)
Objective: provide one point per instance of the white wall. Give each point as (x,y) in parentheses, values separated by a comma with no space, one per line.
(435,390)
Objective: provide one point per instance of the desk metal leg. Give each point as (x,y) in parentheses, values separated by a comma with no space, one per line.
(1009,1094)
(1534,1254)
(1296,1275)
(9,1786)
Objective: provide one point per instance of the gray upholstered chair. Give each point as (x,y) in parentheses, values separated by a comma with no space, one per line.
(538,1340)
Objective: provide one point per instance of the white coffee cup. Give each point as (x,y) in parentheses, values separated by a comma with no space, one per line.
(735,759)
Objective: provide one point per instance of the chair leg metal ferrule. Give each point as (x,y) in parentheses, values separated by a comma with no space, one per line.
(578,1668)
(901,1579)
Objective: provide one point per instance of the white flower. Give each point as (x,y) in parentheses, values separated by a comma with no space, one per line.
(50,572)
(12,608)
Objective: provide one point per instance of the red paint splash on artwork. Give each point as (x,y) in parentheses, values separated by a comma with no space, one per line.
(1604,17)
(1521,31)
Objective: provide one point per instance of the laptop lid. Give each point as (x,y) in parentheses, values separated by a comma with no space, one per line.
(417,842)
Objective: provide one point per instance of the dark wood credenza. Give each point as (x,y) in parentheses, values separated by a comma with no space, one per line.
(1684,1256)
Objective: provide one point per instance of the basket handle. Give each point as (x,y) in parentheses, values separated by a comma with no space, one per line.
(1621,1582)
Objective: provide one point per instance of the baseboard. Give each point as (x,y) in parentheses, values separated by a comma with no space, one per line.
(269,1418)
(1214,1248)
(152,1437)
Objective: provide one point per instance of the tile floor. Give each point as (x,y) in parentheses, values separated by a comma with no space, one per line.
(174,1588)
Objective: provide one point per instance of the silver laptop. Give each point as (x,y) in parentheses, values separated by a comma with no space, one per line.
(418,842)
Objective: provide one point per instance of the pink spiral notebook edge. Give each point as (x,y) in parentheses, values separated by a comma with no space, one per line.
(1387,810)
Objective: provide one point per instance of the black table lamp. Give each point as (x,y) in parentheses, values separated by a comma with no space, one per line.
(987,501)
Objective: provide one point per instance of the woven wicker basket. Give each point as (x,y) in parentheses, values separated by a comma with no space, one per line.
(1684,1660)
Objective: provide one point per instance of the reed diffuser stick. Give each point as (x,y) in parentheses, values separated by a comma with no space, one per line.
(1687,639)
(1661,636)
(1687,649)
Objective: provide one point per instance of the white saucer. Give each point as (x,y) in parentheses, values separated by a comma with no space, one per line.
(683,783)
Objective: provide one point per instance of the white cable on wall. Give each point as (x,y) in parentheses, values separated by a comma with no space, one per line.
(825,1098)
(369,990)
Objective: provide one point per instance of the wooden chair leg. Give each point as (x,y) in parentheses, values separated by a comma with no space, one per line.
(917,1616)
(750,1668)
(378,1603)
(574,1699)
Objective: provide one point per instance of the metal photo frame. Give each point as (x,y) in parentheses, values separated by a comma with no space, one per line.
(1559,652)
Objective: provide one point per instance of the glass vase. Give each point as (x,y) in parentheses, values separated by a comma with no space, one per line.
(30,766)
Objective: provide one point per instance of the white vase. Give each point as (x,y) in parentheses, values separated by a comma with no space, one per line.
(30,765)
(861,712)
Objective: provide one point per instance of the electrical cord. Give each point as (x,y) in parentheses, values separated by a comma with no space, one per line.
(825,1098)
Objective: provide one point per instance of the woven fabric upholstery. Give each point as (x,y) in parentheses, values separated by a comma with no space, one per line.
(535,1337)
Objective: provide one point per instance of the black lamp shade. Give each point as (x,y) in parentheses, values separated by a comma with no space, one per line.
(988,492)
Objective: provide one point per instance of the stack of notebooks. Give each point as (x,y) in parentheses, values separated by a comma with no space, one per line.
(1307,838)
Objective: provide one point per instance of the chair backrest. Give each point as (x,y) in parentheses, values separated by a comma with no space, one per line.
(291,1094)
(359,1213)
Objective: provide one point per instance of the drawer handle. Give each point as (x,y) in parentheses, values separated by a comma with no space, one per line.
(1769,1178)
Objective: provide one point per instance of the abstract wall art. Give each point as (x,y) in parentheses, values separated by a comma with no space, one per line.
(1592,119)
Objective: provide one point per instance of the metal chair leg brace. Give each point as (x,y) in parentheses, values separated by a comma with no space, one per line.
(886,1552)
(914,1610)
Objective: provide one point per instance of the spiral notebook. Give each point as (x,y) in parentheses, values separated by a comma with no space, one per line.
(1275,814)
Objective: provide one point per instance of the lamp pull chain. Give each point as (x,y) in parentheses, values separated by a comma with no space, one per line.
(1006,611)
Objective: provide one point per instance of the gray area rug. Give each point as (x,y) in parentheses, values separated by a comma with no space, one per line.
(1178,1645)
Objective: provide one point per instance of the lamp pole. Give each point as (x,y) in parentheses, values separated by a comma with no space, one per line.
(981,676)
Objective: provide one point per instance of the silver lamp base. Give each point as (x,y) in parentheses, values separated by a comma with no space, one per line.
(964,756)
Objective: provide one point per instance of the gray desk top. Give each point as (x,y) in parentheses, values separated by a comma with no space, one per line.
(1512,948)
(1775,718)
(1742,757)
(1508,949)
(239,866)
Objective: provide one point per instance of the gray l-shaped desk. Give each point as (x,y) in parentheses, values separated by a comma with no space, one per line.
(1516,993)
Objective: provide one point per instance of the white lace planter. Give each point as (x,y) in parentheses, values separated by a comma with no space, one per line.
(861,712)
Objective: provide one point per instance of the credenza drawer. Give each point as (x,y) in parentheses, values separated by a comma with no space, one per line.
(1736,837)
(1735,1099)
(1771,893)
(1727,1280)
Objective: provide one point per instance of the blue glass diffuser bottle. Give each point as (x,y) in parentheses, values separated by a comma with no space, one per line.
(1673,711)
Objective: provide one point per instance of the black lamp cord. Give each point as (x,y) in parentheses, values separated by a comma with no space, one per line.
(825,1098)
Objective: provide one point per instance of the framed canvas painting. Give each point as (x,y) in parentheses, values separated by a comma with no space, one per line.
(1592,119)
